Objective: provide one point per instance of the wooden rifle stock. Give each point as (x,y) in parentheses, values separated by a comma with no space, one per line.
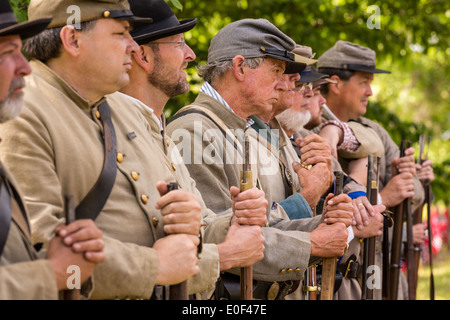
(69,212)
(369,243)
(177,291)
(329,264)
(246,183)
(397,238)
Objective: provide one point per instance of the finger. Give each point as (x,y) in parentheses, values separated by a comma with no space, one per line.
(95,256)
(89,245)
(179,207)
(161,186)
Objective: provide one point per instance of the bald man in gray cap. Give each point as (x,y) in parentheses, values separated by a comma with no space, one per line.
(243,77)
(353,67)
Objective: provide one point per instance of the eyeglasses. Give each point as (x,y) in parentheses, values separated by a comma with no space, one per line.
(180,43)
(304,87)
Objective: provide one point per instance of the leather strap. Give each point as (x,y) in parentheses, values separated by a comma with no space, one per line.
(5,213)
(94,201)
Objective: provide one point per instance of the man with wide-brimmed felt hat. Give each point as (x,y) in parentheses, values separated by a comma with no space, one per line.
(24,273)
(156,76)
(83,143)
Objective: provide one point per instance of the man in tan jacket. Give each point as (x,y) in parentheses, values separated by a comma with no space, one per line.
(23,275)
(64,136)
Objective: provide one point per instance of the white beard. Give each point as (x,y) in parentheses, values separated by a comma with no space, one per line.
(293,120)
(10,108)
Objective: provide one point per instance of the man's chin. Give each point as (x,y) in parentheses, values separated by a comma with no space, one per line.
(11,107)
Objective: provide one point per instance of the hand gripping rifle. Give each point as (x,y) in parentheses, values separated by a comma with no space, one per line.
(69,212)
(246,183)
(399,214)
(329,264)
(177,291)
(423,155)
(369,243)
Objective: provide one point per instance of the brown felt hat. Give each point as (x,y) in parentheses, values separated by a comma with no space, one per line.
(67,12)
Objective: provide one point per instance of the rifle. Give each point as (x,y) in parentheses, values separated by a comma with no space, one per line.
(369,243)
(246,183)
(311,288)
(69,213)
(397,238)
(423,155)
(329,264)
(410,248)
(177,291)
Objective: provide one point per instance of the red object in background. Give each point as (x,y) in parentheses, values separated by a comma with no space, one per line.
(439,229)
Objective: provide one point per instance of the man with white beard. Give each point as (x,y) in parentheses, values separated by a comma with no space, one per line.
(297,121)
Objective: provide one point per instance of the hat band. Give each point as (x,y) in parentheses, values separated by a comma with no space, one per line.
(7,19)
(281,53)
(357,66)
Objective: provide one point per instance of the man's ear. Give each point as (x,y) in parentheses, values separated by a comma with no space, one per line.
(144,57)
(70,38)
(239,67)
(335,87)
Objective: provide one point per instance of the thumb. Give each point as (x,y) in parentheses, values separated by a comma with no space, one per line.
(161,186)
(234,191)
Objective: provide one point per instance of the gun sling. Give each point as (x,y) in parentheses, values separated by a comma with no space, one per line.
(93,202)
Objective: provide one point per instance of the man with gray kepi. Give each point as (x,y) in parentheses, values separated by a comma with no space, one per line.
(353,67)
(82,142)
(23,275)
(241,81)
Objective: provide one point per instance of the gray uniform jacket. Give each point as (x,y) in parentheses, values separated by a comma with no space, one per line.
(215,164)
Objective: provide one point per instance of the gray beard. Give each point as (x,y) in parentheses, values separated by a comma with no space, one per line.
(11,106)
(293,120)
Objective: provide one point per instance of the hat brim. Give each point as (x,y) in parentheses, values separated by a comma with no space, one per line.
(311,76)
(26,29)
(367,69)
(146,34)
(291,66)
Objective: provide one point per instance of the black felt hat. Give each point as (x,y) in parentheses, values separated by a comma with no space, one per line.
(165,23)
(9,25)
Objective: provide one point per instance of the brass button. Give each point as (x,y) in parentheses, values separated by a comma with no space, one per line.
(297,270)
(289,270)
(155,222)
(134,175)
(144,199)
(97,114)
(119,157)
(168,143)
(106,14)
(173,167)
(283,271)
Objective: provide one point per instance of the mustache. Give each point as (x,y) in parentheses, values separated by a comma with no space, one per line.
(16,83)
